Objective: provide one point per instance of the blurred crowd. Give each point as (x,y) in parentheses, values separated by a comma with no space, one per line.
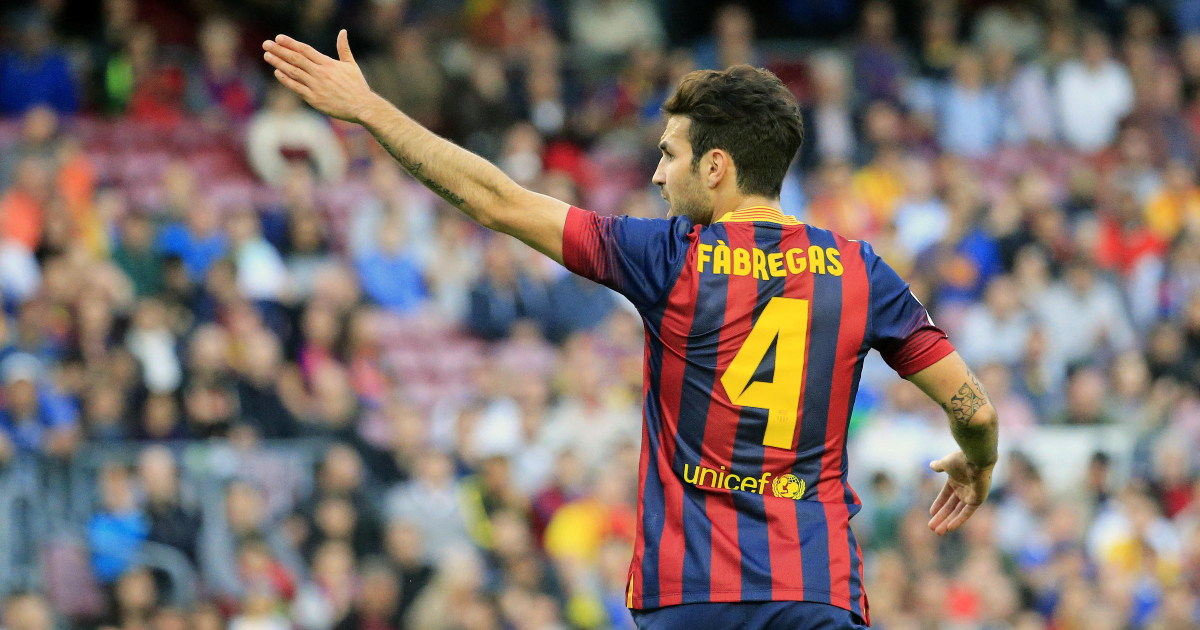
(254,377)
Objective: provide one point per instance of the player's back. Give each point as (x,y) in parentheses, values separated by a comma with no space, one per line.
(756,327)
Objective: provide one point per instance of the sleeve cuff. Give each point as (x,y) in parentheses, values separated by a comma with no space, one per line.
(574,233)
(919,351)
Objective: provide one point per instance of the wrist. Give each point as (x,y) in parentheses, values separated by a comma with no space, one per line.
(368,112)
(983,464)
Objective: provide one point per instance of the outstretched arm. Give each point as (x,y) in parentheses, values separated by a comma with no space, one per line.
(973,423)
(483,192)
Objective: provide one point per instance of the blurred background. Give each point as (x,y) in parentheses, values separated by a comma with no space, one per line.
(254,377)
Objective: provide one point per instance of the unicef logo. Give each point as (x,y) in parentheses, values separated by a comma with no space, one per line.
(788,487)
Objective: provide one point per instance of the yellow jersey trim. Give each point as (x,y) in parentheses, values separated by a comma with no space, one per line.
(758,213)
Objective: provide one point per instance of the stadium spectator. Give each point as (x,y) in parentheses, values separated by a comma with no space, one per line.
(733,42)
(283,131)
(24,206)
(171,522)
(1012,22)
(325,601)
(39,138)
(408,76)
(117,532)
(430,502)
(921,218)
(35,73)
(505,294)
(137,255)
(878,61)
(261,273)
(1093,93)
(609,28)
(405,553)
(1026,103)
(998,329)
(339,508)
(228,524)
(35,419)
(223,85)
(1083,315)
(479,112)
(1086,398)
(259,401)
(133,600)
(378,601)
(260,610)
(197,240)
(828,123)
(939,45)
(27,611)
(972,121)
(388,274)
(139,83)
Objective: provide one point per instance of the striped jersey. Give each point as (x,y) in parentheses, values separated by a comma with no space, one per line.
(756,329)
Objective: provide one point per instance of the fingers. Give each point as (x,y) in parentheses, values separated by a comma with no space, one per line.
(293,85)
(287,55)
(952,519)
(286,68)
(961,517)
(302,48)
(936,523)
(283,66)
(937,466)
(941,499)
(343,47)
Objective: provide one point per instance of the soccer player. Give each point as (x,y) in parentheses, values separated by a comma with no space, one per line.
(756,329)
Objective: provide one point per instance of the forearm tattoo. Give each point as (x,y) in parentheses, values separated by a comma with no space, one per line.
(967,401)
(442,191)
(414,168)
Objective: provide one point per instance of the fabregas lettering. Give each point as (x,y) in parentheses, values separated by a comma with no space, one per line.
(722,260)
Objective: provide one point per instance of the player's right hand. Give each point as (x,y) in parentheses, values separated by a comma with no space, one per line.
(336,87)
(966,489)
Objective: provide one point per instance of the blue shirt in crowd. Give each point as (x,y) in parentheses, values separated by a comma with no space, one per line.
(115,540)
(26,81)
(971,122)
(197,254)
(53,412)
(391,280)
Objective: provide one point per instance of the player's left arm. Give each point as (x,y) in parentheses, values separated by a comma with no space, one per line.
(973,422)
(904,334)
(482,191)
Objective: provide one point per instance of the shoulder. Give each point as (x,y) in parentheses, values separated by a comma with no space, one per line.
(630,229)
(675,226)
(845,246)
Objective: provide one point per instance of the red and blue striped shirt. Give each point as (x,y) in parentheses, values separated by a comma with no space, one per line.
(756,330)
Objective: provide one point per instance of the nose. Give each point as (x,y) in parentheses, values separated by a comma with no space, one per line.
(660,175)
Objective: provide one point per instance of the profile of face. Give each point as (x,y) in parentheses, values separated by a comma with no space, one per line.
(682,185)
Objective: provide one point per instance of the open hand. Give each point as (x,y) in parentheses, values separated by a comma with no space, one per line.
(965,490)
(336,87)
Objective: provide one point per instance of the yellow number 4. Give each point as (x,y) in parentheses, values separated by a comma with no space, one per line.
(787,319)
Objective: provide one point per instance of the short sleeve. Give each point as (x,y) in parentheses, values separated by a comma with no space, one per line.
(899,327)
(638,258)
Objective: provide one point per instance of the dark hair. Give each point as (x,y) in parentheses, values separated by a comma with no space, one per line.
(747,112)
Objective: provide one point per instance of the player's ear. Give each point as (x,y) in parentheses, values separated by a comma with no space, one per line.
(716,167)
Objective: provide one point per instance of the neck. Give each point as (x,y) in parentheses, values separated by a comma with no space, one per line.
(741,203)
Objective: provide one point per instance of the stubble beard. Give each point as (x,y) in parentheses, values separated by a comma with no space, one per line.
(693,203)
